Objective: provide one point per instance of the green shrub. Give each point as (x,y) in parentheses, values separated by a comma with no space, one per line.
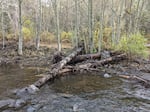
(133,45)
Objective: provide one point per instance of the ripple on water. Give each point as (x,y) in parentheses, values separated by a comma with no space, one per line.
(93,93)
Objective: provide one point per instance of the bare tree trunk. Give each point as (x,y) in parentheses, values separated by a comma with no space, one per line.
(113,24)
(20,30)
(76,24)
(136,17)
(39,22)
(57,3)
(119,21)
(36,27)
(90,17)
(140,9)
(3,29)
(130,19)
(102,10)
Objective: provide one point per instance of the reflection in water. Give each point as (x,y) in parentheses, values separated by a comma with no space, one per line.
(12,77)
(93,93)
(81,93)
(84,84)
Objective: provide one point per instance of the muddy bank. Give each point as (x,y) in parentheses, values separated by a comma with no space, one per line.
(30,57)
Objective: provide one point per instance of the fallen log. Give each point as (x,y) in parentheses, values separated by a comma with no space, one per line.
(60,68)
(57,69)
(85,57)
(138,78)
(94,64)
(81,58)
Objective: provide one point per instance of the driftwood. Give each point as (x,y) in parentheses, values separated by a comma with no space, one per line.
(138,78)
(56,70)
(94,64)
(61,68)
(81,58)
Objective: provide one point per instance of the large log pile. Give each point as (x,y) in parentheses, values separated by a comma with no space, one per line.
(60,68)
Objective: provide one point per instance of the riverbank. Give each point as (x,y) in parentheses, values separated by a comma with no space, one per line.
(30,57)
(43,58)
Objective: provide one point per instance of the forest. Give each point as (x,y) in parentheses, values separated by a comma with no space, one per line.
(68,55)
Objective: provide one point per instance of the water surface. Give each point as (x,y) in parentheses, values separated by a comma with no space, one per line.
(80,92)
(14,76)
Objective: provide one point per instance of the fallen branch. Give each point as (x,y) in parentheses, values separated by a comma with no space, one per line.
(131,76)
(61,68)
(56,70)
(94,64)
(81,58)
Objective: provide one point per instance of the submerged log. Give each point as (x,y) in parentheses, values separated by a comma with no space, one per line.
(56,70)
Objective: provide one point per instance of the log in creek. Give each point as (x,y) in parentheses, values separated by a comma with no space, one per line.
(59,68)
(54,71)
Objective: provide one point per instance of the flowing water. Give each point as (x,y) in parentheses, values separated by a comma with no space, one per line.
(80,93)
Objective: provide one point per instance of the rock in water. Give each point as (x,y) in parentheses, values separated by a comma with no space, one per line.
(31,109)
(19,103)
(7,103)
(75,108)
(32,89)
(106,75)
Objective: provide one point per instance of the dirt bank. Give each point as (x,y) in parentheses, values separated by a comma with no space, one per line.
(30,57)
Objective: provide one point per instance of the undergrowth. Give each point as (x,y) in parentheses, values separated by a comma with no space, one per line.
(133,45)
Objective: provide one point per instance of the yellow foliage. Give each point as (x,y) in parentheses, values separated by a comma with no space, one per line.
(66,35)
(47,37)
(106,40)
(26,33)
(27,22)
(133,45)
(11,36)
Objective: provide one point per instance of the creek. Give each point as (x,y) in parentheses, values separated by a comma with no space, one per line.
(76,93)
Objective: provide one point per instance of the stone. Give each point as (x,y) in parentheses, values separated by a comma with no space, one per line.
(19,103)
(31,109)
(105,54)
(7,103)
(106,75)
